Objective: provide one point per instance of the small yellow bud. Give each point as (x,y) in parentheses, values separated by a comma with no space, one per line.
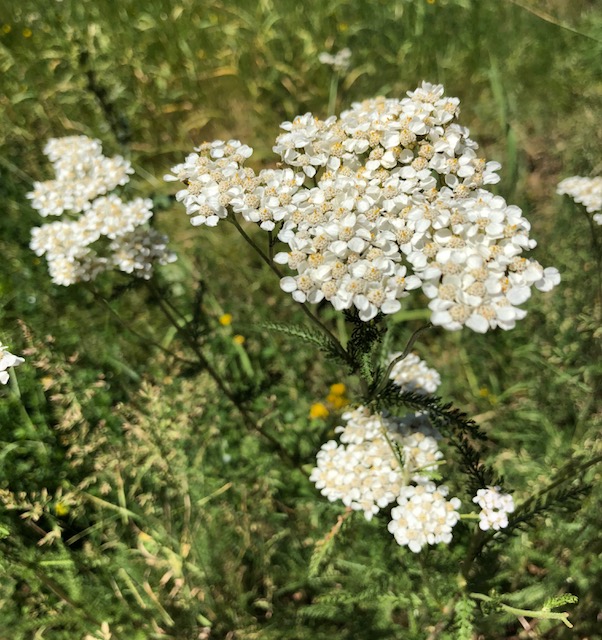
(6,28)
(238,339)
(27,33)
(61,509)
(338,389)
(225,320)
(318,411)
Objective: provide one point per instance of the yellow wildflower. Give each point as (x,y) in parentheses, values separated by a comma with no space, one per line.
(226,320)
(61,509)
(318,411)
(336,401)
(238,339)
(6,28)
(338,389)
(27,33)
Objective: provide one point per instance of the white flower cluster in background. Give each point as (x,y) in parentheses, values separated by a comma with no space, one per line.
(339,61)
(413,374)
(7,360)
(82,174)
(388,198)
(109,233)
(585,191)
(495,507)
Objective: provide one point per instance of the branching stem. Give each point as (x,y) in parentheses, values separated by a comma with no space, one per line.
(542,615)
(335,342)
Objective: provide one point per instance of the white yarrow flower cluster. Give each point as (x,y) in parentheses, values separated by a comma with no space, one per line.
(382,458)
(212,176)
(7,360)
(424,516)
(376,457)
(413,374)
(585,191)
(495,507)
(339,61)
(369,474)
(109,233)
(82,174)
(388,198)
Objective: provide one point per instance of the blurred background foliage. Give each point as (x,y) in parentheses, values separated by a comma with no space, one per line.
(159,515)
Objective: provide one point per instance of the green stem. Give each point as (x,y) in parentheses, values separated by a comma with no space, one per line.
(138,335)
(332,94)
(529,613)
(250,422)
(406,352)
(335,342)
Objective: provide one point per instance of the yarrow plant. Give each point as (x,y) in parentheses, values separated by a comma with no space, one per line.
(388,200)
(109,233)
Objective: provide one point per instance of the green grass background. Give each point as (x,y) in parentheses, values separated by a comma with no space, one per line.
(183,520)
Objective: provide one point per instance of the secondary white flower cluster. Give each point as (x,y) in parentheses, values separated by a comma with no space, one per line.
(385,199)
(109,233)
(7,360)
(380,459)
(339,61)
(495,507)
(585,191)
(424,516)
(377,456)
(413,374)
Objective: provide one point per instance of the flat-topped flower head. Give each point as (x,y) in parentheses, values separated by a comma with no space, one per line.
(109,233)
(82,174)
(376,457)
(424,516)
(388,198)
(495,507)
